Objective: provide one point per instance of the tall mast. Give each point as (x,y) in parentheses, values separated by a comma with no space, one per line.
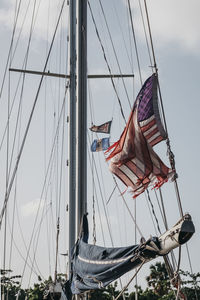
(72,132)
(81,112)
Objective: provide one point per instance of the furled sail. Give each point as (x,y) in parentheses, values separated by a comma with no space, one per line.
(132,158)
(94,267)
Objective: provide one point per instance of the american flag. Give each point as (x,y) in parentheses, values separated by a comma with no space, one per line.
(133,159)
(148,112)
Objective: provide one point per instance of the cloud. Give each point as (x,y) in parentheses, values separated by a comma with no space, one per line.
(31,208)
(46,16)
(173,22)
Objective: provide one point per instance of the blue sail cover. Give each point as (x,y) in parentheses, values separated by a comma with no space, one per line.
(94,267)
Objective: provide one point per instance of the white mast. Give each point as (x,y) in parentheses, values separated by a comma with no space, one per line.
(77,120)
(81,112)
(72,133)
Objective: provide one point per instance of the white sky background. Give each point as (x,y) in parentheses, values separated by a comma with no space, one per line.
(176,35)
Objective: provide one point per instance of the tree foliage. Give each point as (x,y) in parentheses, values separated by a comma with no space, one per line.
(158,287)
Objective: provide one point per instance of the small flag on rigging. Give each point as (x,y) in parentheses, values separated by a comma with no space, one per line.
(100,145)
(103,128)
(132,158)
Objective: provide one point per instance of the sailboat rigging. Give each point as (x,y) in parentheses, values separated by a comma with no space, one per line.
(134,165)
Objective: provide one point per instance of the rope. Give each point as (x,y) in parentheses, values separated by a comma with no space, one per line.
(111,195)
(97,202)
(150,35)
(163,210)
(41,196)
(92,168)
(153,211)
(171,155)
(126,286)
(104,207)
(145,32)
(10,49)
(105,58)
(57,240)
(114,52)
(131,215)
(124,41)
(28,125)
(150,212)
(59,196)
(134,38)
(136,279)
(94,223)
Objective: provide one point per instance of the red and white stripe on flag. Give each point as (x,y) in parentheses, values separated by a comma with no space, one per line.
(134,162)
(150,131)
(133,159)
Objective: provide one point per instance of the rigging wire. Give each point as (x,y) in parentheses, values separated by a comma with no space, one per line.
(45,139)
(7,178)
(6,183)
(24,63)
(134,38)
(135,274)
(13,222)
(105,58)
(170,153)
(150,211)
(106,215)
(22,256)
(124,41)
(60,186)
(48,168)
(145,33)
(23,82)
(20,252)
(20,33)
(129,211)
(136,281)
(153,211)
(97,202)
(15,204)
(130,39)
(17,10)
(166,226)
(28,125)
(103,12)
(92,168)
(25,59)
(161,208)
(104,207)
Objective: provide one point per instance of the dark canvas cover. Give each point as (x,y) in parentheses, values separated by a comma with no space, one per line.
(94,267)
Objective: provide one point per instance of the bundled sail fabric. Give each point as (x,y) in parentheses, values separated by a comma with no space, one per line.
(94,267)
(100,145)
(132,157)
(103,128)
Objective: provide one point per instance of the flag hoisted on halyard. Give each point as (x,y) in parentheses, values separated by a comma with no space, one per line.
(132,158)
(103,128)
(100,145)
(148,112)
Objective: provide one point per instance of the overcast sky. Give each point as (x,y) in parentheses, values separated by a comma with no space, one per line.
(175,29)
